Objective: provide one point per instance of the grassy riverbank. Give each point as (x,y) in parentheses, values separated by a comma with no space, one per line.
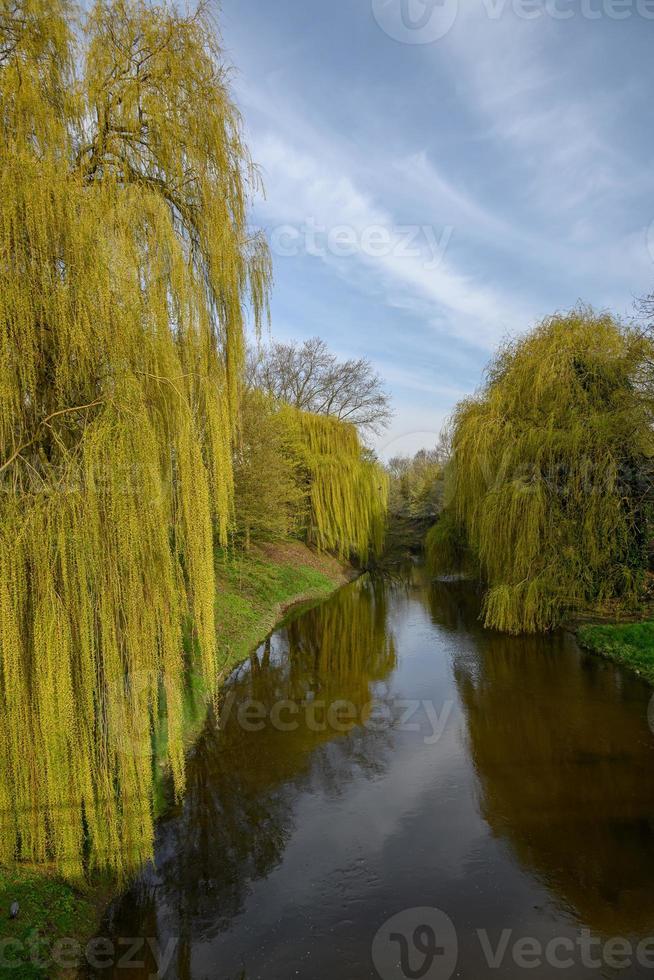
(254,592)
(629,644)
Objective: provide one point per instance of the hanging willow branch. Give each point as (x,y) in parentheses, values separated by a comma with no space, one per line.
(551,474)
(126,265)
(347,490)
(45,421)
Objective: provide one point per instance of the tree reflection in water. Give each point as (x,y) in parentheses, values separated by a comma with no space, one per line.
(565,763)
(532,812)
(237,814)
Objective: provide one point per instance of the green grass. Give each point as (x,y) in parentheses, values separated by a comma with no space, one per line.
(253,593)
(630,644)
(50,910)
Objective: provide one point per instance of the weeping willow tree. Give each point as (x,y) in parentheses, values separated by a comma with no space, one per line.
(126,270)
(550,474)
(269,498)
(446,547)
(346,489)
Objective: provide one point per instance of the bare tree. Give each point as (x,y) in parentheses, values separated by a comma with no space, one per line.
(311,378)
(645,309)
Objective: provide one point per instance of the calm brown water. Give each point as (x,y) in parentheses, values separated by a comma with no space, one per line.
(506,782)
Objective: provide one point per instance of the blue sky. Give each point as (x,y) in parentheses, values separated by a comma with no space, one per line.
(442,175)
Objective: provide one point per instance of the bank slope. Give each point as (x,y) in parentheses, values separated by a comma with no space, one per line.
(254,592)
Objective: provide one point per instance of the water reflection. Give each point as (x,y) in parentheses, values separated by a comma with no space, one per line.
(248,768)
(534,811)
(564,758)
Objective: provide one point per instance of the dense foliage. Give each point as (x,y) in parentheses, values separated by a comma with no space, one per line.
(128,269)
(416,485)
(347,489)
(447,549)
(308,476)
(550,475)
(415,499)
(270,499)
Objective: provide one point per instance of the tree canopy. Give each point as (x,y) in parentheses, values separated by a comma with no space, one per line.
(128,447)
(416,485)
(127,268)
(346,488)
(270,495)
(312,379)
(551,473)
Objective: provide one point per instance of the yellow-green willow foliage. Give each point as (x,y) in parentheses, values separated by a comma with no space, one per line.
(446,547)
(347,489)
(125,265)
(549,471)
(269,499)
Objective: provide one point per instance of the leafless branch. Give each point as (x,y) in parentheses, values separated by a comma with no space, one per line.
(311,378)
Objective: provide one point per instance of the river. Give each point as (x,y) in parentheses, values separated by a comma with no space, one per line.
(389,791)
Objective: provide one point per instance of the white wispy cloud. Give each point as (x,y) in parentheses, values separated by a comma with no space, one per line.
(516,75)
(308,190)
(512,141)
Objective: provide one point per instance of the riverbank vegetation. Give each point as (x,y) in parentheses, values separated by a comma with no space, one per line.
(253,591)
(164,494)
(549,481)
(628,644)
(131,452)
(415,500)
